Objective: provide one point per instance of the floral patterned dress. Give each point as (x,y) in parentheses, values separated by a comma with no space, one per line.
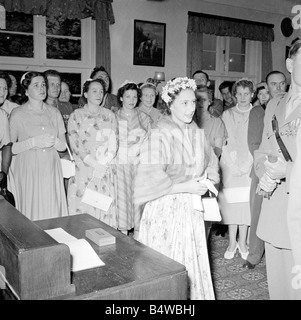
(97,136)
(169,223)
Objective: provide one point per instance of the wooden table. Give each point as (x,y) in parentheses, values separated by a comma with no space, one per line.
(132,270)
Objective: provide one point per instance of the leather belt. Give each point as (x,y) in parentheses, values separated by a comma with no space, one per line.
(281,144)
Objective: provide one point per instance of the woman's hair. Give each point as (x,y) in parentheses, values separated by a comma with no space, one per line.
(28,76)
(101,69)
(87,84)
(5,76)
(148,85)
(173,87)
(97,69)
(125,87)
(245,83)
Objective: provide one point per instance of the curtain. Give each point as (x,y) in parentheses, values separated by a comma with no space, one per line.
(199,23)
(103,45)
(227,27)
(194,52)
(100,10)
(266,59)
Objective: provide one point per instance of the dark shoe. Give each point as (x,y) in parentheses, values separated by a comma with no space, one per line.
(221,229)
(249,265)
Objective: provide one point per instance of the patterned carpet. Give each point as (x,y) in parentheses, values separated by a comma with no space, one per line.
(231,281)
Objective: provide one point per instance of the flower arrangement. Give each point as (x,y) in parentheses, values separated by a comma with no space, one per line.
(176,85)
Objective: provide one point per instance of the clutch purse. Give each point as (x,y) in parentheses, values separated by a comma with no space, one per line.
(68,166)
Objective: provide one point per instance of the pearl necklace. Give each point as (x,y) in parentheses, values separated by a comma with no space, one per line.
(244,110)
(128,114)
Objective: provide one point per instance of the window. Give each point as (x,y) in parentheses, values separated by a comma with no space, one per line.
(39,43)
(17,39)
(230,58)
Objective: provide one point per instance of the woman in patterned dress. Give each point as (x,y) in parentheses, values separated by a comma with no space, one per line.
(134,126)
(172,163)
(93,137)
(37,132)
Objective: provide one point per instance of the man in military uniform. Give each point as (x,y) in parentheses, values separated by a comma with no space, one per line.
(281,122)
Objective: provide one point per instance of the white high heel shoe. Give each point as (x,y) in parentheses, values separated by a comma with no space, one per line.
(244,255)
(230,254)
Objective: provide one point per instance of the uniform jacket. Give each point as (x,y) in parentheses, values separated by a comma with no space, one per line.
(294,204)
(272,225)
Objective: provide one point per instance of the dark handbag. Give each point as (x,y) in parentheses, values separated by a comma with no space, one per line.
(8,196)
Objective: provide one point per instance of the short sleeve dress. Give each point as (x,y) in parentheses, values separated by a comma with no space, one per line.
(36,175)
(236,164)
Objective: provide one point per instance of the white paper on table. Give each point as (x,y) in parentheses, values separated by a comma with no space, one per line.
(83,255)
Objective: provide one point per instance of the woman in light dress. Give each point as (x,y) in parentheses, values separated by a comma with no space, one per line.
(93,137)
(148,99)
(134,126)
(37,132)
(236,164)
(173,161)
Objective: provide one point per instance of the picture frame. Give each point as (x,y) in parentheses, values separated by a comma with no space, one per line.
(149,43)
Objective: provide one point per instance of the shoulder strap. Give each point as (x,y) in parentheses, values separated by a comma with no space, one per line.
(70,153)
(280,142)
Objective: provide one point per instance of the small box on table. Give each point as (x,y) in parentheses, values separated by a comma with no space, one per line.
(100,237)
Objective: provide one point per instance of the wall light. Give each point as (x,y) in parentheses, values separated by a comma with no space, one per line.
(159,77)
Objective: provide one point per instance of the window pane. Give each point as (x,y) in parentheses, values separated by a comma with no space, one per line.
(237,45)
(20,22)
(65,49)
(60,27)
(209,42)
(208,60)
(209,52)
(15,45)
(237,63)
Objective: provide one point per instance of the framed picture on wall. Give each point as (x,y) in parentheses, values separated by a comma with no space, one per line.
(149,43)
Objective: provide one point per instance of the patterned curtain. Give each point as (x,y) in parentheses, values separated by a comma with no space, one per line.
(199,23)
(100,10)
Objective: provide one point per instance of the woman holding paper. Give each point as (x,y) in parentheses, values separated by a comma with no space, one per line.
(173,164)
(93,137)
(236,164)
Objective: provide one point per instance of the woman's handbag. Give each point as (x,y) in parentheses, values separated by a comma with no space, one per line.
(8,196)
(68,166)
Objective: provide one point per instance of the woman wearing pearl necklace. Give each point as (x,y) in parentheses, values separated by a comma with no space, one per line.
(236,163)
